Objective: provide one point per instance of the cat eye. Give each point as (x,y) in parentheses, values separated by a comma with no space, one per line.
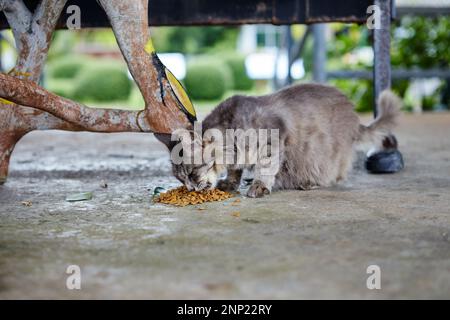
(192,176)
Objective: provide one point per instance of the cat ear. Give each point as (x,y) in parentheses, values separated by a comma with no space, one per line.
(208,140)
(213,135)
(196,139)
(195,136)
(165,138)
(210,162)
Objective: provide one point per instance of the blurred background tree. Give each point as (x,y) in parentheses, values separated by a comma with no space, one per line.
(195,40)
(215,63)
(417,42)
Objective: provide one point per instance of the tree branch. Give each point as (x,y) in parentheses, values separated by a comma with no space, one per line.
(27,93)
(33,44)
(47,14)
(166,111)
(19,19)
(167,105)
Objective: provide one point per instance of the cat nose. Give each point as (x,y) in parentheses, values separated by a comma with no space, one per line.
(201,186)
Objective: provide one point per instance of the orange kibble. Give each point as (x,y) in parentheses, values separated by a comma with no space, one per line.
(182,197)
(236,214)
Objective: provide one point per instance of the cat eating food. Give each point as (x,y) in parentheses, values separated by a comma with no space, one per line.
(317,133)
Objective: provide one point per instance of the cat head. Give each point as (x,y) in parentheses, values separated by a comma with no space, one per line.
(196,177)
(190,166)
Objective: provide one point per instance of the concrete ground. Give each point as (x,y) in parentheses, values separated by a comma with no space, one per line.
(294,244)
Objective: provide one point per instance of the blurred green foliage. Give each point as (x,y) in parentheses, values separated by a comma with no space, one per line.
(421,42)
(65,42)
(102,83)
(359,91)
(67,67)
(195,40)
(87,79)
(216,70)
(208,79)
(417,42)
(236,63)
(348,40)
(63,88)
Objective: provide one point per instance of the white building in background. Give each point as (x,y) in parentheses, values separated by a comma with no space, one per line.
(175,62)
(260,43)
(254,37)
(422,3)
(265,60)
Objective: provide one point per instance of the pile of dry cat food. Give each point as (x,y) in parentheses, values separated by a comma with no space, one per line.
(182,197)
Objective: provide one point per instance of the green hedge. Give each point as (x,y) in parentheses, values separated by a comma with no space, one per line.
(360,92)
(67,68)
(61,87)
(236,63)
(102,83)
(208,79)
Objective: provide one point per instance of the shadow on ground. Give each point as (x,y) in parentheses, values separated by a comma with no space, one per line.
(295,244)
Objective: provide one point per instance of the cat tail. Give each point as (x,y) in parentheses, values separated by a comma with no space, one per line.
(389,106)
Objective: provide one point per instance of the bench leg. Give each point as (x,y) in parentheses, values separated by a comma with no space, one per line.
(389,159)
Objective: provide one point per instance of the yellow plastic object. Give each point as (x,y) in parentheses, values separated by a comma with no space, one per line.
(149,47)
(4,101)
(175,84)
(181,93)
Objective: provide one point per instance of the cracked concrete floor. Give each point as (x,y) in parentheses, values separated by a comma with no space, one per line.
(293,244)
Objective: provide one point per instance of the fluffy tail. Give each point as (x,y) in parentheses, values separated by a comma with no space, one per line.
(388,113)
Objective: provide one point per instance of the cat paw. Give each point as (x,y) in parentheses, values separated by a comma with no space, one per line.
(225,185)
(257,190)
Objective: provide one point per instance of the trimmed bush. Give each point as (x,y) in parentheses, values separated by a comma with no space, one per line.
(208,79)
(360,92)
(67,68)
(237,66)
(61,87)
(103,84)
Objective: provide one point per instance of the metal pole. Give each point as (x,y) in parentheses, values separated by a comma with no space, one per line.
(289,44)
(381,49)
(320,53)
(389,159)
(297,48)
(1,42)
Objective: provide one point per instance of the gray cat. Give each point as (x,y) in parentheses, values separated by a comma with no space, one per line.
(318,132)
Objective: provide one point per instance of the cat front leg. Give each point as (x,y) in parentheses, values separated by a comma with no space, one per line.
(264,178)
(232,181)
(269,158)
(259,189)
